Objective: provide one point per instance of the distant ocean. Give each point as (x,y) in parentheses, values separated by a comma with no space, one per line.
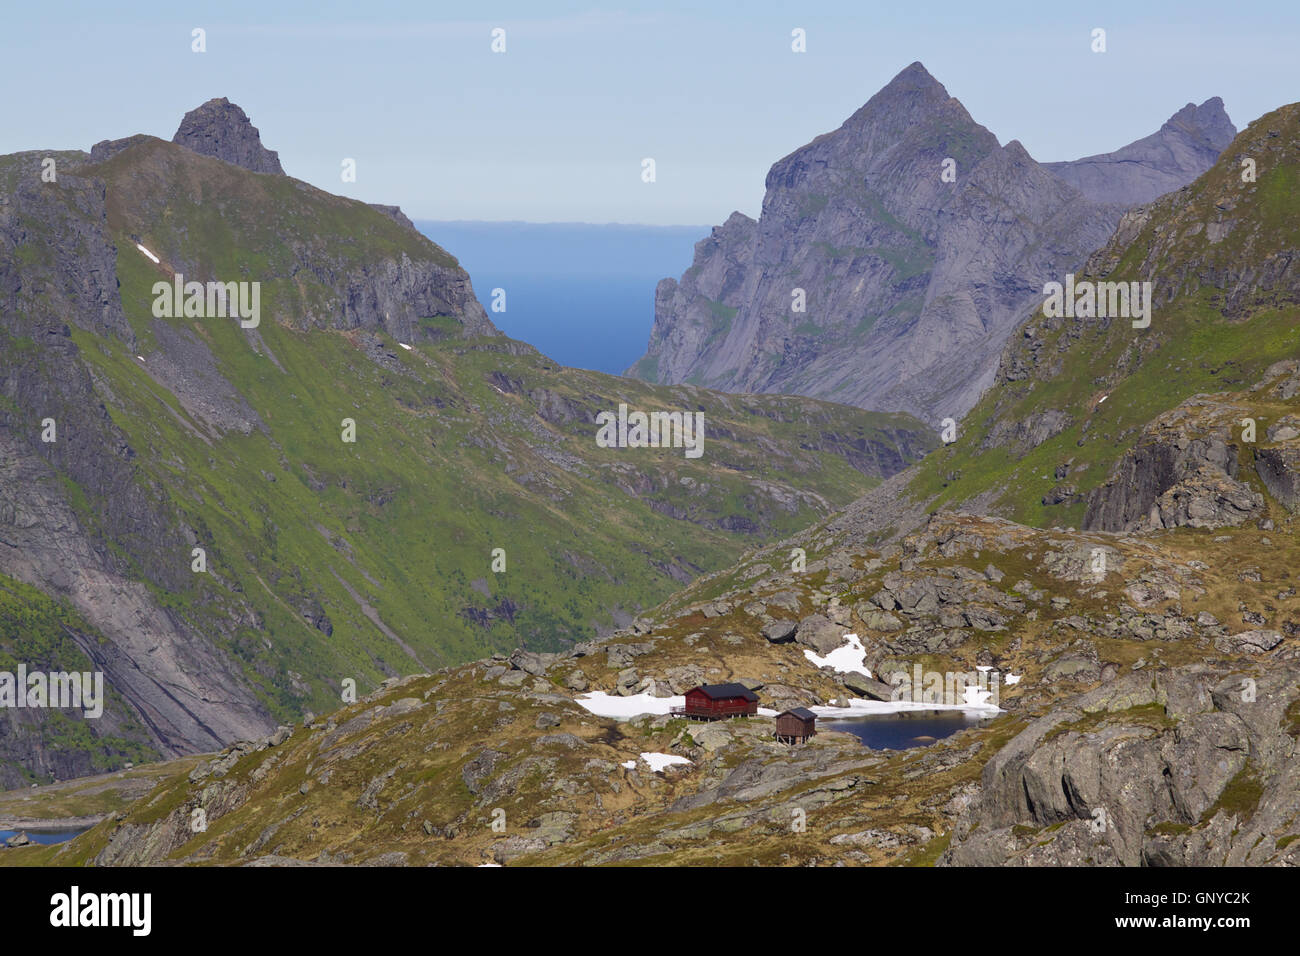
(583,294)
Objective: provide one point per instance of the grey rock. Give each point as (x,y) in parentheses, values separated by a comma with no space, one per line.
(780,632)
(820,634)
(1249,642)
(712,736)
(513,847)
(532,663)
(864,686)
(221,129)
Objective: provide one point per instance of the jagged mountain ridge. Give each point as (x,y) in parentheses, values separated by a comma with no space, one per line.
(912,283)
(1144,170)
(328,560)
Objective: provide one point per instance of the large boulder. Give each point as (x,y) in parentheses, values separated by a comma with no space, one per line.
(864,686)
(820,634)
(780,632)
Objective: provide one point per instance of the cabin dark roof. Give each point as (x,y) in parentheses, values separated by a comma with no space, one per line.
(803,713)
(725,691)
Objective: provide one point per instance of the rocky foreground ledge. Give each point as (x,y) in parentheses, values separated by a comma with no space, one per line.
(1148,726)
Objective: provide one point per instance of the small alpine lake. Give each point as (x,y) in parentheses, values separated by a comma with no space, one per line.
(901,731)
(44,837)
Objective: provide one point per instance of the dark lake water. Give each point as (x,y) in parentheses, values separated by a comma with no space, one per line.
(44,837)
(901,731)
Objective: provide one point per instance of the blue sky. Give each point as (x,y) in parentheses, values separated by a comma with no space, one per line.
(555,129)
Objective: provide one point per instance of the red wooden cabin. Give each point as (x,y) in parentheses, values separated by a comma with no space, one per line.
(719,701)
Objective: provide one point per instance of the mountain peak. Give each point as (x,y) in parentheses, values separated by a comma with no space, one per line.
(914,79)
(1208,122)
(911,96)
(219,128)
(913,75)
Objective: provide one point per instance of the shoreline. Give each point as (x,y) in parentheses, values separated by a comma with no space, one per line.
(62,823)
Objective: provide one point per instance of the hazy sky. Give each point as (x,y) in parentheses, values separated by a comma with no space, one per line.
(556,128)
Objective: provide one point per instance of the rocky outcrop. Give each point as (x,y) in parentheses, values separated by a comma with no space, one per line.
(1188,767)
(1186,146)
(870,277)
(395,213)
(1187,467)
(1171,481)
(220,128)
(1279,469)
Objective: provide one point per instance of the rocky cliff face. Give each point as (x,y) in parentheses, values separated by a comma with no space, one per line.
(910,283)
(59,269)
(1183,470)
(1186,146)
(221,129)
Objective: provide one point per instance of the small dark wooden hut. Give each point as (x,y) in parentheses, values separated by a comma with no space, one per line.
(795,726)
(719,701)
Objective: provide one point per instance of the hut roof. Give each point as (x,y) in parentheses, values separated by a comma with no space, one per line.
(803,713)
(724,691)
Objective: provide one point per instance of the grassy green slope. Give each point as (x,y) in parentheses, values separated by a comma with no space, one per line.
(368,559)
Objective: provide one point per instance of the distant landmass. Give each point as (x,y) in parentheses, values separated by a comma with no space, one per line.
(582,293)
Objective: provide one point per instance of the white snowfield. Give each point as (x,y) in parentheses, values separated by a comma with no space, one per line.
(658,762)
(976,704)
(845,659)
(625,708)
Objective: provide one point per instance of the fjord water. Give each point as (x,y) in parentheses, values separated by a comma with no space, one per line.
(581,293)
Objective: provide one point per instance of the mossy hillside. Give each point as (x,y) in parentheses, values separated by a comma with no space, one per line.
(1199,353)
(307,798)
(448,465)
(199,208)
